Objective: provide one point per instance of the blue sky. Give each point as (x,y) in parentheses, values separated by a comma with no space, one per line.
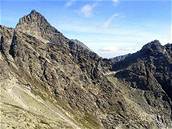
(108,27)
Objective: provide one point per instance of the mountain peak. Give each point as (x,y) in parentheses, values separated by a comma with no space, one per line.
(34,12)
(33,16)
(35,24)
(151,44)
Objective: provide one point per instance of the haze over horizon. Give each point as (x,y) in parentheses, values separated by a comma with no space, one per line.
(110,28)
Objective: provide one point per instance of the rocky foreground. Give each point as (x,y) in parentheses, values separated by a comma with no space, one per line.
(48,81)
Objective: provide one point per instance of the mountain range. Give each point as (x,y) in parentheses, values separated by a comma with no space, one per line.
(49,81)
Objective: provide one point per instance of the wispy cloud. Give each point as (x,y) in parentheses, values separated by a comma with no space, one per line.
(88,9)
(115,1)
(112,51)
(69,3)
(108,49)
(114,40)
(108,22)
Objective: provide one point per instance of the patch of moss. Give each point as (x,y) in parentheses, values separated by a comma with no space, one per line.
(89,121)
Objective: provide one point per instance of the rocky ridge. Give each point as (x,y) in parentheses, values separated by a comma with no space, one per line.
(70,81)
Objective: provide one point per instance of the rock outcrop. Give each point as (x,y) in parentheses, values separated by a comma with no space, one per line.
(51,81)
(150,71)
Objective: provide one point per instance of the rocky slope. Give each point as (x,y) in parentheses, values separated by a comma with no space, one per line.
(118,58)
(49,81)
(148,69)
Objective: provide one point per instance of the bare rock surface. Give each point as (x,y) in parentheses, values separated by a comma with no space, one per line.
(48,81)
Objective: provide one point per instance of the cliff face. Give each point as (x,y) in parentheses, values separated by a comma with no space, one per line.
(45,74)
(36,25)
(148,69)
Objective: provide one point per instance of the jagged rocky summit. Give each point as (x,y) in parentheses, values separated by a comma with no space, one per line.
(48,81)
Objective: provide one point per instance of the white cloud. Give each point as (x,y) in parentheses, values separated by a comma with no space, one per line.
(116,40)
(113,51)
(87,9)
(108,22)
(108,49)
(115,1)
(69,3)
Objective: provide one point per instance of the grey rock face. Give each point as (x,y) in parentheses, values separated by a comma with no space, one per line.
(13,46)
(1,43)
(36,25)
(80,43)
(74,78)
(152,63)
(150,70)
(119,58)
